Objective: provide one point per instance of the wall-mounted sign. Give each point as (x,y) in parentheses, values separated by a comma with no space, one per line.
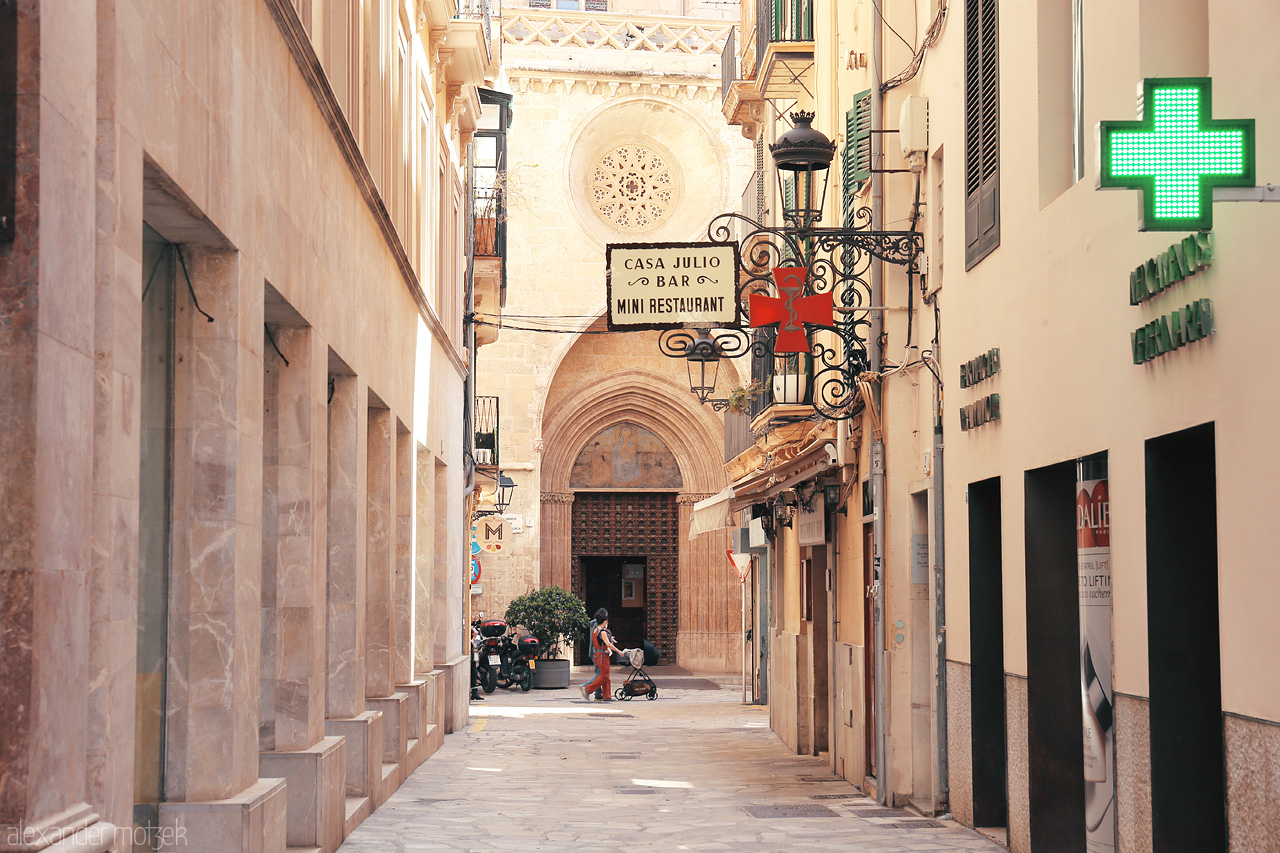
(980,412)
(1176,154)
(983,367)
(812,524)
(492,533)
(1172,331)
(791,311)
(1181,260)
(672,285)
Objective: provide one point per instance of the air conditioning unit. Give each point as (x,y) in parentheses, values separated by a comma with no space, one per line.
(484,456)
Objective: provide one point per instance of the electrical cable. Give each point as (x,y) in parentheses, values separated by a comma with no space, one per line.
(931,37)
(563,331)
(190,287)
(910,46)
(275,345)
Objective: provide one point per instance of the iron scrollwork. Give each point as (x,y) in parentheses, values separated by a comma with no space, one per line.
(839,262)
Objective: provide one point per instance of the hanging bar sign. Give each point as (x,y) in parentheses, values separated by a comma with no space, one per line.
(672,285)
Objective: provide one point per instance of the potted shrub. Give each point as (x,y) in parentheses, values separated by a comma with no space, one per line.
(553,615)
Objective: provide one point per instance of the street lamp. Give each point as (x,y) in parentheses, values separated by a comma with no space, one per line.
(501,496)
(802,159)
(797,276)
(703,362)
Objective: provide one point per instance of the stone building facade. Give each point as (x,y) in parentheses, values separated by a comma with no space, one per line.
(617,140)
(231,356)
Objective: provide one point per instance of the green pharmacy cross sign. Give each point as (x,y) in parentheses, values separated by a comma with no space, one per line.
(1177,154)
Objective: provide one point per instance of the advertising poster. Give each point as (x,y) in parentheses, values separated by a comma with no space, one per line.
(1093,544)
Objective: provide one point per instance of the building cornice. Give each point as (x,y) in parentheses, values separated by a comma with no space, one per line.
(604,32)
(684,87)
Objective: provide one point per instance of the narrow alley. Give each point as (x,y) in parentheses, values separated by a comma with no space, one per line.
(693,770)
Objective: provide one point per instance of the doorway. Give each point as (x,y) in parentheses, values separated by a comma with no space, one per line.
(616,583)
(868,648)
(1055,732)
(627,543)
(987,679)
(1188,777)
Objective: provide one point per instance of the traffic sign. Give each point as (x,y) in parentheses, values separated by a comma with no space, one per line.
(1176,154)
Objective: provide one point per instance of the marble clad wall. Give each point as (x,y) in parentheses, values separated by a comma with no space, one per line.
(424,582)
(215,596)
(300,541)
(47,368)
(1253,783)
(379,532)
(403,587)
(347,593)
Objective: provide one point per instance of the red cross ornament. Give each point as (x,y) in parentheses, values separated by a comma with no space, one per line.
(791,311)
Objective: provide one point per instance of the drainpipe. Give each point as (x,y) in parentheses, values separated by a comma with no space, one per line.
(880,658)
(943,783)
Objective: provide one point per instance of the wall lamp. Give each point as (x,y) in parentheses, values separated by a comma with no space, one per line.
(501,496)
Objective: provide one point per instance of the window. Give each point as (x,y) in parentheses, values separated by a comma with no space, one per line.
(982,131)
(857,151)
(568,5)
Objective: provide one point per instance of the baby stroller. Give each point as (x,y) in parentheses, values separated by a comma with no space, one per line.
(638,682)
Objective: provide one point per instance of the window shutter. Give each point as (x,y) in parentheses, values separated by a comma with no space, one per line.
(789,191)
(982,130)
(857,151)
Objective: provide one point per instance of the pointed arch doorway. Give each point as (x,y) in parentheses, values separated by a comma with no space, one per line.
(626,457)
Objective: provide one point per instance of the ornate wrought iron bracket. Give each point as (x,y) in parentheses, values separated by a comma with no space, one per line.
(839,262)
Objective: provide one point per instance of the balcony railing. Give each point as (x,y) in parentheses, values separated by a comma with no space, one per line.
(481,10)
(486,438)
(728,64)
(782,21)
(491,226)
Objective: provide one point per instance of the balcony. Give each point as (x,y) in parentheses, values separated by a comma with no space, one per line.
(485,449)
(784,50)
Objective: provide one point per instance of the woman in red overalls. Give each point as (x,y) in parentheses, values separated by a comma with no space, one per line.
(601,648)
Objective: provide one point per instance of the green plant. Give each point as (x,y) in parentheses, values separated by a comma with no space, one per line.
(740,398)
(551,614)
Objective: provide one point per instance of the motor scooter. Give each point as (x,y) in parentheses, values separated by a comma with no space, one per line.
(521,664)
(493,663)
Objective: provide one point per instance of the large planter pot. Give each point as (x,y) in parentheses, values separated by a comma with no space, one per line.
(551,674)
(790,387)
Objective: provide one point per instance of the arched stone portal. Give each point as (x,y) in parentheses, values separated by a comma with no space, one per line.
(694,590)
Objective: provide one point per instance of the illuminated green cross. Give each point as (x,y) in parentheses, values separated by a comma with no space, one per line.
(1177,154)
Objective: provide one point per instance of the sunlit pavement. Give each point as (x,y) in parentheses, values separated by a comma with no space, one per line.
(694,769)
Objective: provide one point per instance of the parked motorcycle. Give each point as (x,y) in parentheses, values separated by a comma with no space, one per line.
(493,662)
(521,664)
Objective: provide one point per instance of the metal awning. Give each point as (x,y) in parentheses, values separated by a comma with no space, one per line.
(712,514)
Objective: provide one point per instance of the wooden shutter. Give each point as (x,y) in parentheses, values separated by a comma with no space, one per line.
(857,151)
(789,191)
(982,130)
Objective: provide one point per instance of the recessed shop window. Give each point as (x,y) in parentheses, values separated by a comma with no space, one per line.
(154,497)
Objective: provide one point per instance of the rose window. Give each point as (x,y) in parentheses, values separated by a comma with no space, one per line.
(631,187)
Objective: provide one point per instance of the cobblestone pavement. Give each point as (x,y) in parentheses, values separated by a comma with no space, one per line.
(692,770)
